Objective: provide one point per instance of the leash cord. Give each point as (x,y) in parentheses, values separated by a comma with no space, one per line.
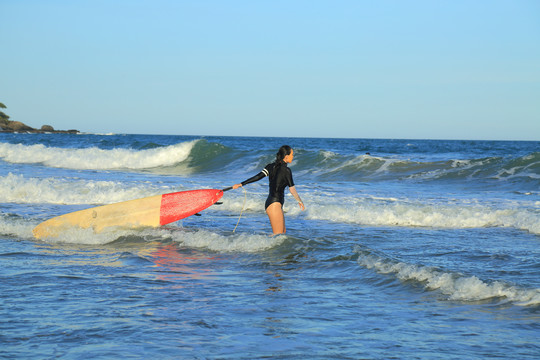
(241,211)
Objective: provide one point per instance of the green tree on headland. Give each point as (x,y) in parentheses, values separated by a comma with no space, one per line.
(7,125)
(3,117)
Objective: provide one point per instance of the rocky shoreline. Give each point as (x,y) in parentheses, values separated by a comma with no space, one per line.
(19,127)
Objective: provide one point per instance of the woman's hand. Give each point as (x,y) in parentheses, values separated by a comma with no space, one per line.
(236,186)
(294,193)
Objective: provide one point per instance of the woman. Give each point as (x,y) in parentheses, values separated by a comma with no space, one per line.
(280,176)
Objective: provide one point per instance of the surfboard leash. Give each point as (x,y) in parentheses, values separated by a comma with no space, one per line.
(241,211)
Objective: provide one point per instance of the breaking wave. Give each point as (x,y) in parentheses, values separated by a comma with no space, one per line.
(365,211)
(201,155)
(11,225)
(19,189)
(327,165)
(95,158)
(455,286)
(407,213)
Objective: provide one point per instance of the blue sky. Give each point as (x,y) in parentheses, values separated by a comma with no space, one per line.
(433,69)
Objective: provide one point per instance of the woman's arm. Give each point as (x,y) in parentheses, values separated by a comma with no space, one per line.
(257,177)
(292,189)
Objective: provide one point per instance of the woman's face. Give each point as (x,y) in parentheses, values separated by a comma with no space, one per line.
(289,158)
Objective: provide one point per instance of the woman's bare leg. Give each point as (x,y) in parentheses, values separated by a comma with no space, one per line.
(277,219)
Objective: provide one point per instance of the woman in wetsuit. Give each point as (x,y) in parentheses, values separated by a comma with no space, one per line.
(280,176)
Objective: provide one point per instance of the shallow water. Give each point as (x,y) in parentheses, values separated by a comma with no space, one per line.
(422,249)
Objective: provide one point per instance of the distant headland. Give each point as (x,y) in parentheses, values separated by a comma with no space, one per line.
(8,126)
(19,127)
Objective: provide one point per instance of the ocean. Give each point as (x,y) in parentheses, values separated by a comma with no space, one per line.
(408,249)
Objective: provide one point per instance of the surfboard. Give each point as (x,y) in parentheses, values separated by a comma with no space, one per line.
(151,211)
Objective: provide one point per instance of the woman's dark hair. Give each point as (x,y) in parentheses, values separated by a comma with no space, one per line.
(282,152)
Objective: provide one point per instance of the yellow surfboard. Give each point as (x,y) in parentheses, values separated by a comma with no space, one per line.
(151,211)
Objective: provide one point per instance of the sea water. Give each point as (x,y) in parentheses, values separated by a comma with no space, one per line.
(408,249)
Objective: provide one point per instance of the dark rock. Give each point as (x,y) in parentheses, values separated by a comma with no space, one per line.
(19,126)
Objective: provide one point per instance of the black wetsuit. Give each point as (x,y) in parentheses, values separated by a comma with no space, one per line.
(280,177)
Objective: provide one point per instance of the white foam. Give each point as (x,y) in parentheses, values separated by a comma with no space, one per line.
(21,228)
(240,242)
(456,286)
(19,189)
(402,212)
(202,239)
(95,158)
(328,155)
(391,211)
(368,210)
(378,164)
(517,172)
(16,226)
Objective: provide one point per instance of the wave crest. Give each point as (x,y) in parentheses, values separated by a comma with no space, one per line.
(331,166)
(202,155)
(95,158)
(21,190)
(457,287)
(394,212)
